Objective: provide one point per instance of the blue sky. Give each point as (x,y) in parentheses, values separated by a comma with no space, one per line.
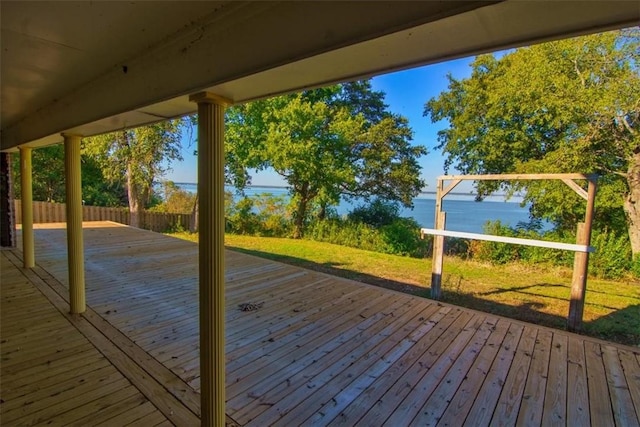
(406,93)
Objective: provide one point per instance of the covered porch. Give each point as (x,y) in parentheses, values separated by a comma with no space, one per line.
(77,69)
(302,347)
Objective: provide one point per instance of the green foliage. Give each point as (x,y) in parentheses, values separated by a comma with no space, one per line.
(98,191)
(135,158)
(635,267)
(346,233)
(402,237)
(498,253)
(274,215)
(48,179)
(175,199)
(375,227)
(326,143)
(611,260)
(565,106)
(176,227)
(377,214)
(241,219)
(262,215)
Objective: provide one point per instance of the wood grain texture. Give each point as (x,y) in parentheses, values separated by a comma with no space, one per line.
(51,373)
(316,350)
(577,389)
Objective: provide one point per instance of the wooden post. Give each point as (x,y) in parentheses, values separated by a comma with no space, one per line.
(28,251)
(581,264)
(438,246)
(211,256)
(75,242)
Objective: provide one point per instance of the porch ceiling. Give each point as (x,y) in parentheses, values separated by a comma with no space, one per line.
(93,67)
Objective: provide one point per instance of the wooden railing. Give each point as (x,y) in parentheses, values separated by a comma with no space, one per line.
(45,212)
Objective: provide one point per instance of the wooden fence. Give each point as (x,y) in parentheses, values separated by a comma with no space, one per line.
(44,212)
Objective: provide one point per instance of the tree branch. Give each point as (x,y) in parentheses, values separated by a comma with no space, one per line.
(575,66)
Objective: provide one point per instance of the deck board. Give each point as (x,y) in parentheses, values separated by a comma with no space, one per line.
(318,350)
(623,409)
(50,372)
(531,409)
(555,401)
(433,409)
(460,405)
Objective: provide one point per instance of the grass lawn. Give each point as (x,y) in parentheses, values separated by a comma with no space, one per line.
(533,293)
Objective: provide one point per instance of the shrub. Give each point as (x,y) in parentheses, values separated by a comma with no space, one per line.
(402,237)
(377,214)
(452,246)
(498,253)
(635,267)
(241,219)
(273,215)
(612,258)
(262,215)
(346,233)
(377,227)
(536,255)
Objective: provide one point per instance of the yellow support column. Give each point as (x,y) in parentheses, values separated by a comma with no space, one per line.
(211,255)
(75,243)
(28,252)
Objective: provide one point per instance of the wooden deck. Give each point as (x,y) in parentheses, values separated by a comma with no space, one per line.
(320,350)
(51,372)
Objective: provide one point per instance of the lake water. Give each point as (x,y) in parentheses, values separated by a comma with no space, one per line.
(463,213)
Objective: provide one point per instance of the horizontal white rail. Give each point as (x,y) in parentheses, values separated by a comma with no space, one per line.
(504,239)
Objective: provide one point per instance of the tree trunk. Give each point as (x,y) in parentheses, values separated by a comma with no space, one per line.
(134,199)
(632,201)
(301,211)
(323,211)
(194,215)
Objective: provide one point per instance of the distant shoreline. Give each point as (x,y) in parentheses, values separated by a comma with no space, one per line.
(422,193)
(463,213)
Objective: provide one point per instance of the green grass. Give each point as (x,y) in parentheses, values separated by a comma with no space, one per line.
(532,293)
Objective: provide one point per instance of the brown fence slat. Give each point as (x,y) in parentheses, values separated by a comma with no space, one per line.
(44,212)
(18,211)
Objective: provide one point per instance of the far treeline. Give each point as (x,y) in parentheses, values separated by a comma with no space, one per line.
(564,106)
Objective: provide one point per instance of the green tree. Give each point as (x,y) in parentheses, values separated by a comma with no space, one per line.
(326,143)
(47,176)
(140,156)
(565,106)
(175,199)
(48,179)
